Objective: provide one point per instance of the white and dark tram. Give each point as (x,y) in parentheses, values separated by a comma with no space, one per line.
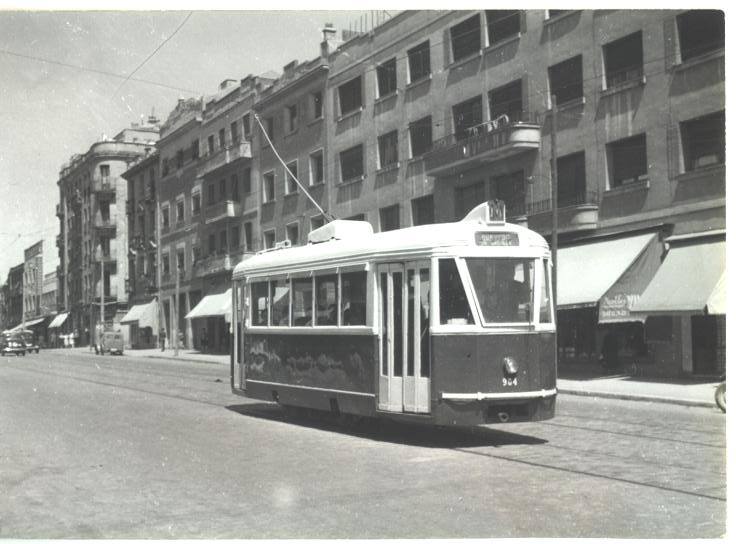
(448,324)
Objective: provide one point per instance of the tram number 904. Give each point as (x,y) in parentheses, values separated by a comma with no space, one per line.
(508,382)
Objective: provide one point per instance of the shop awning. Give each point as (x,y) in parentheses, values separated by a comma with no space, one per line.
(213,306)
(29,323)
(588,271)
(690,280)
(143,314)
(58,321)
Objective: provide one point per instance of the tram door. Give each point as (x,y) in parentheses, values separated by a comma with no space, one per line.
(404,383)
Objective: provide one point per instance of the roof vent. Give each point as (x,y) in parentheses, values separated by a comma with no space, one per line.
(340,229)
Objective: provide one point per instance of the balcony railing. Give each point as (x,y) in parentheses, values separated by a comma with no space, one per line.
(505,136)
(576,212)
(105,223)
(222,210)
(214,264)
(210,162)
(563,201)
(103,185)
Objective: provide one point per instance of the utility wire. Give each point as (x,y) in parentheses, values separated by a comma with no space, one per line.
(328,217)
(94,70)
(154,52)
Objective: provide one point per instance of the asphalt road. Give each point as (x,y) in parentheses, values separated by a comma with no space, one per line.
(126,447)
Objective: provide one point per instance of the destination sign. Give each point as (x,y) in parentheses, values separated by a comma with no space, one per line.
(496,239)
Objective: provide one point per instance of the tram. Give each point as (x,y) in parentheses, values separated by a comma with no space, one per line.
(446,324)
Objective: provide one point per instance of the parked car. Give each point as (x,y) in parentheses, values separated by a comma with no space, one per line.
(112,342)
(30,341)
(12,343)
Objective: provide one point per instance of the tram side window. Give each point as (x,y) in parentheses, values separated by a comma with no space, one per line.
(353,298)
(301,311)
(545,309)
(327,299)
(280,302)
(259,303)
(454,307)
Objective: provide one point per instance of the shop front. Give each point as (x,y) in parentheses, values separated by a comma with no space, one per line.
(142,319)
(210,323)
(685,306)
(597,284)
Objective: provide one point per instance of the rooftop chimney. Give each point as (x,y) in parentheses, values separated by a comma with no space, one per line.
(330,41)
(226,83)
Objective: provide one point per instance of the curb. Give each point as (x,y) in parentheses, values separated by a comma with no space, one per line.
(170,358)
(641,398)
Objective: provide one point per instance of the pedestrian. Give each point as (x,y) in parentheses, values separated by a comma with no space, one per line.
(162,338)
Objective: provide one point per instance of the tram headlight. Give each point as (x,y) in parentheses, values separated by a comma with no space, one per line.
(510,368)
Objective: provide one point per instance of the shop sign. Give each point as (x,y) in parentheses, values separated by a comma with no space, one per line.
(616,306)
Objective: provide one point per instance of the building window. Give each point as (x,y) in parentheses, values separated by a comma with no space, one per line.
(210,144)
(502,24)
(180,260)
(420,136)
(246,124)
(351,163)
(269,193)
(290,185)
(165,264)
(165,217)
(212,243)
(180,210)
(234,238)
(234,134)
(195,149)
(511,190)
(316,222)
(269,127)
(246,181)
(388,153)
(291,118)
(419,62)
(234,188)
(248,240)
(317,105)
(465,38)
(180,158)
(269,239)
(627,160)
(700,32)
(422,210)
(105,172)
(389,218)
(223,189)
(211,194)
(506,101)
(292,233)
(165,166)
(386,75)
(468,116)
(571,179)
(350,95)
(467,198)
(221,138)
(196,254)
(704,141)
(223,241)
(316,168)
(566,80)
(624,60)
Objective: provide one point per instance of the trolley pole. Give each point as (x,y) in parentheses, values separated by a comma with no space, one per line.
(553,142)
(176,311)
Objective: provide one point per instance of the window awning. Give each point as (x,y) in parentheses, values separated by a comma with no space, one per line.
(690,280)
(143,314)
(58,321)
(29,323)
(213,306)
(587,272)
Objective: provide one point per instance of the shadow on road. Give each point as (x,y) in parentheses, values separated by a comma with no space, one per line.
(383,430)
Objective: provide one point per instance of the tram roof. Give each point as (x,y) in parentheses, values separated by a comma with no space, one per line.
(364,246)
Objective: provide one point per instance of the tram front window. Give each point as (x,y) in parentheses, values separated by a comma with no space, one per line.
(503,288)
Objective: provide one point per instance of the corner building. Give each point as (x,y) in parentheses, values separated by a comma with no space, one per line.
(434,112)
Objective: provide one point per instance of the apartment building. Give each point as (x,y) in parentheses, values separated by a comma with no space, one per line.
(142,282)
(93,229)
(433,112)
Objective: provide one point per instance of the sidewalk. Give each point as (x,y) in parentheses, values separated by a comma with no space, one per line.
(682,392)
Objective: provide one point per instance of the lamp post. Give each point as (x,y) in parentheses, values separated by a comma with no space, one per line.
(553,143)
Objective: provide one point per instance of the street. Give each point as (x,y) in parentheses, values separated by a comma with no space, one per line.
(127,447)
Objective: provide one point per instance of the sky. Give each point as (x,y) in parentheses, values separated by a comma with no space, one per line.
(57,99)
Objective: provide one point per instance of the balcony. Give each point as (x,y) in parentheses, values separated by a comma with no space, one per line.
(103,185)
(223,157)
(575,212)
(224,209)
(484,143)
(105,224)
(214,264)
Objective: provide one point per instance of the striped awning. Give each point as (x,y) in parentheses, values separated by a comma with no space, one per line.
(58,321)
